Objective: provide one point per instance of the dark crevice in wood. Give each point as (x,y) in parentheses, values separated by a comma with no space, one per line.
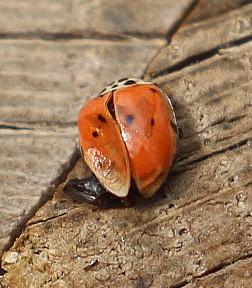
(42,123)
(195,59)
(207,156)
(221,121)
(225,264)
(47,36)
(44,198)
(46,220)
(230,120)
(225,138)
(98,35)
(228,148)
(12,127)
(235,119)
(178,23)
(174,29)
(213,270)
(248,184)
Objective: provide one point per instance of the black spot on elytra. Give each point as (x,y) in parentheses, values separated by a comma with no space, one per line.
(101,118)
(95,134)
(174,127)
(152,122)
(130,82)
(122,79)
(129,119)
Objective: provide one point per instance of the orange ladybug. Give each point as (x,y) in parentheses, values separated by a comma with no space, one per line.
(128,132)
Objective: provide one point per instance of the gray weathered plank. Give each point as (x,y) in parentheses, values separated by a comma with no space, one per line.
(45,82)
(48,81)
(202,37)
(146,17)
(167,242)
(31,162)
(90,17)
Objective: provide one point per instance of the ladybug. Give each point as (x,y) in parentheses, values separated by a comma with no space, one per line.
(128,133)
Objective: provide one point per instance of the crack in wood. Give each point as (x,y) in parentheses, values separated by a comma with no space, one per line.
(47,36)
(217,152)
(193,204)
(112,36)
(8,123)
(212,271)
(178,23)
(225,120)
(13,127)
(44,198)
(46,220)
(196,59)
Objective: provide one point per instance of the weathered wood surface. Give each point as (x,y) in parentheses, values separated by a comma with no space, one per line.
(199,234)
(236,275)
(31,162)
(77,246)
(202,39)
(91,17)
(48,81)
(43,85)
(54,55)
(211,8)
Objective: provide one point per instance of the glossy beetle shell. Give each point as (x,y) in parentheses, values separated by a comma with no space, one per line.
(129,131)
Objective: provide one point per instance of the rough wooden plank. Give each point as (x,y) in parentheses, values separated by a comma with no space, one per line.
(100,62)
(237,275)
(31,161)
(90,17)
(26,16)
(136,17)
(48,81)
(84,247)
(195,41)
(214,115)
(34,80)
(203,223)
(201,92)
(207,9)
(45,83)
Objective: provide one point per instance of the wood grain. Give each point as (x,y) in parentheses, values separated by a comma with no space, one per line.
(75,17)
(32,159)
(201,40)
(236,275)
(197,231)
(211,8)
(43,85)
(48,81)
(201,227)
